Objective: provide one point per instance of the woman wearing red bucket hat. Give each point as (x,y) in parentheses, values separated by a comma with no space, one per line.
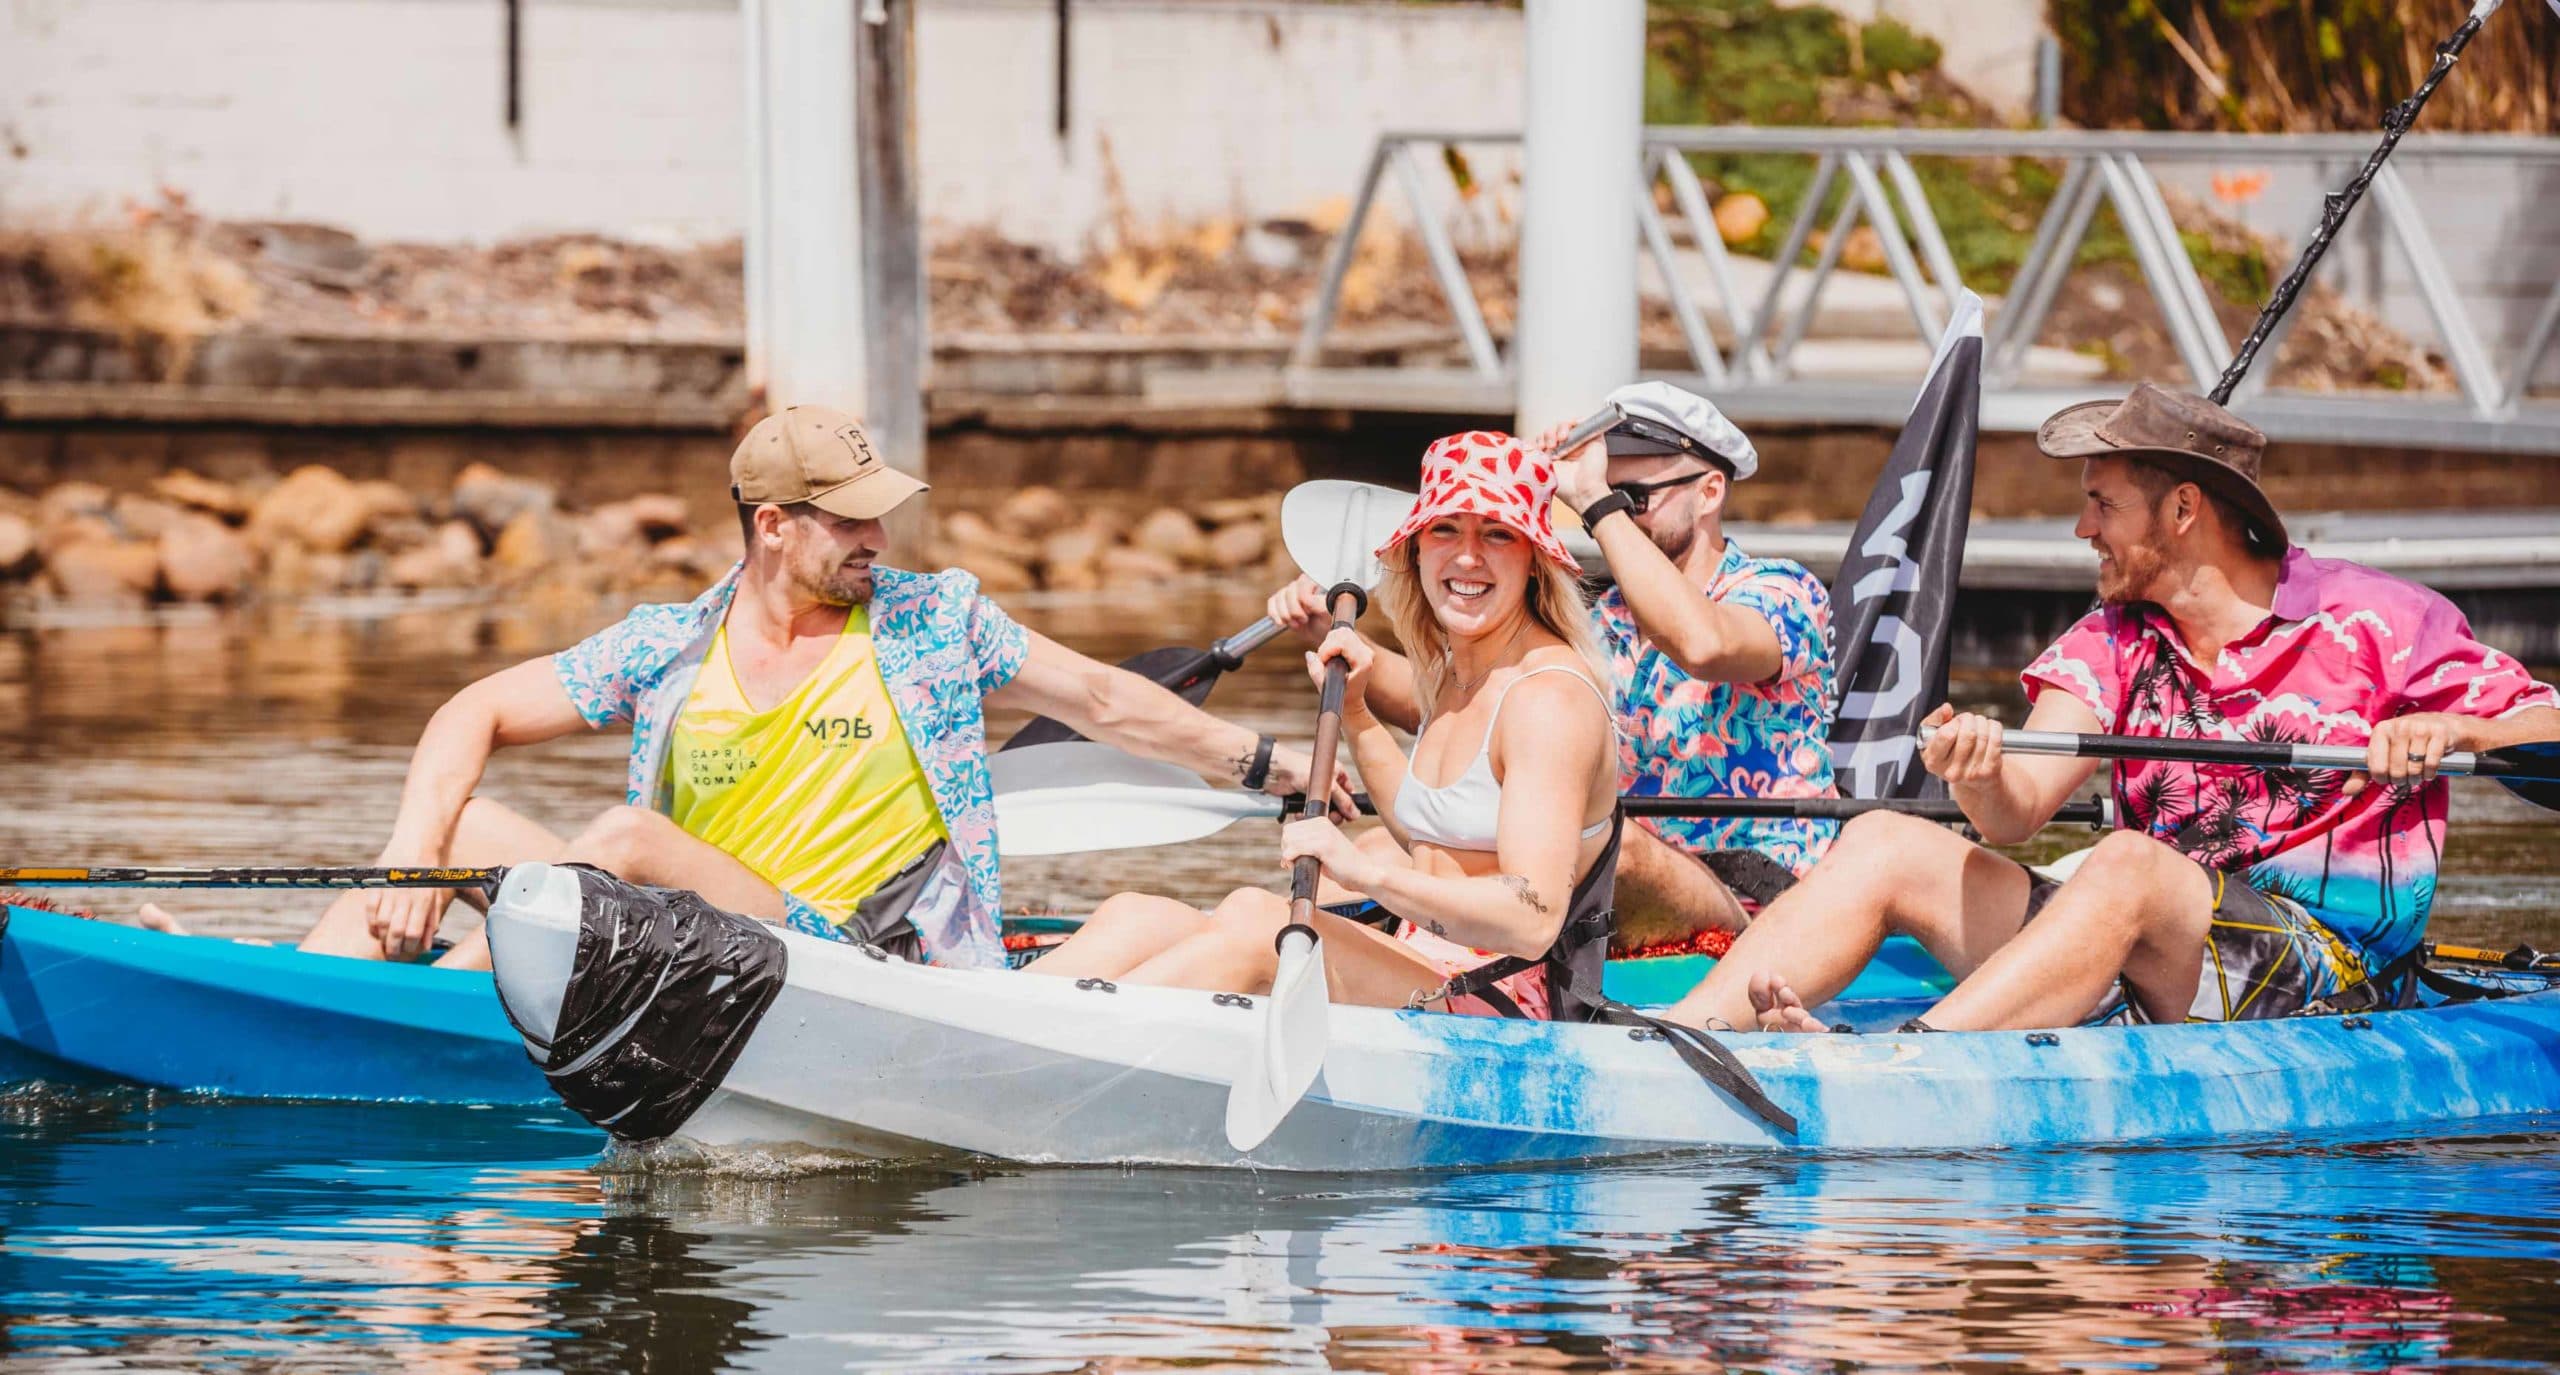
(1492,890)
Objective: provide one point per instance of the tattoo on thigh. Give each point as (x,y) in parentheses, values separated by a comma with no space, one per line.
(1522,889)
(1432,925)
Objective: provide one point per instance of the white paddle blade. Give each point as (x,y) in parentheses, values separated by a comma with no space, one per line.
(1289,1047)
(1118,816)
(1074,763)
(1333,528)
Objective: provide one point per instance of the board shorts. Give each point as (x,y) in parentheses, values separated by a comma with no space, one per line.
(2266,956)
(926,893)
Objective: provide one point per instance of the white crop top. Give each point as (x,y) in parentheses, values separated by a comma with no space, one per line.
(1465,812)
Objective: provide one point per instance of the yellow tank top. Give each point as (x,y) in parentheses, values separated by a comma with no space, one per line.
(819,793)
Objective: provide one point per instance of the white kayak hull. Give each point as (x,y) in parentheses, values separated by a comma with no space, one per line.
(876,1058)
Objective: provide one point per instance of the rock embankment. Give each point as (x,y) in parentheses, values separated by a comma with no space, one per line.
(315,532)
(1042,538)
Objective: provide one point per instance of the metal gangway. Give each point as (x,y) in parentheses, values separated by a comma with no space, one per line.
(1758,370)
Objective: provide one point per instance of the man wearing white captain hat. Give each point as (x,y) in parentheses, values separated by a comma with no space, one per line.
(1722,665)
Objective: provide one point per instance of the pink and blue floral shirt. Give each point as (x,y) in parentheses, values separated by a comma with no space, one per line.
(942,648)
(1680,736)
(2344,648)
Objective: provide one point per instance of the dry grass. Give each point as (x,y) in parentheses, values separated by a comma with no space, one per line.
(2301,65)
(149,277)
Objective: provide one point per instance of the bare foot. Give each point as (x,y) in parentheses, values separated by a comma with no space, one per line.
(1779,1007)
(151,916)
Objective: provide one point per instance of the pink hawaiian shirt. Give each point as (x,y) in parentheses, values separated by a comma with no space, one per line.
(2345,647)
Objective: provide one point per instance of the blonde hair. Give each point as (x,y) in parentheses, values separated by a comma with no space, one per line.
(1555,602)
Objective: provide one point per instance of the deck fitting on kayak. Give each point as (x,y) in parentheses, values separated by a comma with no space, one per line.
(2357,1023)
(1233,1000)
(1094,985)
(1645,1033)
(2043,1038)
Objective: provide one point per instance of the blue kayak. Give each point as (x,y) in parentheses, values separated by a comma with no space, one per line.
(210,1015)
(829,1048)
(203,1014)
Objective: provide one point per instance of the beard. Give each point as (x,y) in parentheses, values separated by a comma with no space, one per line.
(1674,541)
(839,585)
(2137,567)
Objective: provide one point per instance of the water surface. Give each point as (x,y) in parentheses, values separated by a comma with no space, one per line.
(141,1230)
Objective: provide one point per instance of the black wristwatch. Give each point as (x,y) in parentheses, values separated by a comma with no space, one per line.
(1259,772)
(1615,501)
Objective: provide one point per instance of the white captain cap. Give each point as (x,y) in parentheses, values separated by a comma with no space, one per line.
(1662,419)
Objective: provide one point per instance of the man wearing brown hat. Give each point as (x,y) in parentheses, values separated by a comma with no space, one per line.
(2229,893)
(808,738)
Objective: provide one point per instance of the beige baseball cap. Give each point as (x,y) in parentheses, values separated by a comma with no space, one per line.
(817,455)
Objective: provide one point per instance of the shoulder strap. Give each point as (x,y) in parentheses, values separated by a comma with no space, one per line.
(1500,697)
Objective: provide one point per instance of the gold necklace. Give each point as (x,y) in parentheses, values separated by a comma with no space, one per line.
(1449,660)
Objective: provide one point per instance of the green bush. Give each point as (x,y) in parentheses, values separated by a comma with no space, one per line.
(1756,62)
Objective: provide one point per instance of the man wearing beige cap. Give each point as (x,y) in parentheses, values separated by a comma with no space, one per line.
(808,738)
(2230,893)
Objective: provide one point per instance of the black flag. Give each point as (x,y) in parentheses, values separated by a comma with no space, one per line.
(1895,598)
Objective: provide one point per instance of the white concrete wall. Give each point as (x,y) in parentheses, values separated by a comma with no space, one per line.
(385,116)
(1990,45)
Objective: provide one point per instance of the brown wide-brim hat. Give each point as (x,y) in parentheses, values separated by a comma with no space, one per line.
(2221,451)
(818,456)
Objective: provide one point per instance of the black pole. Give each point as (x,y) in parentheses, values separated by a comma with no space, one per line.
(1062,68)
(2335,205)
(515,65)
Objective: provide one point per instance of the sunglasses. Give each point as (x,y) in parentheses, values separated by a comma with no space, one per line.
(1640,495)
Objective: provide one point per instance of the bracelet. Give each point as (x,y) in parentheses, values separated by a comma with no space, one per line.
(1258,773)
(1599,510)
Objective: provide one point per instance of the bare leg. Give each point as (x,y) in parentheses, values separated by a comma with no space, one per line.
(637,845)
(1886,875)
(2136,908)
(1126,931)
(1666,894)
(486,835)
(1362,964)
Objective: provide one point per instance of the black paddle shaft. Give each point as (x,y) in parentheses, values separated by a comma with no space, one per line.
(1347,600)
(137,877)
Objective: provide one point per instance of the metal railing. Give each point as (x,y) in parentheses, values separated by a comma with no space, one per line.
(1758,373)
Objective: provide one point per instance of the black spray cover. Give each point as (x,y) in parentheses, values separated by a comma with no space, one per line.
(665,991)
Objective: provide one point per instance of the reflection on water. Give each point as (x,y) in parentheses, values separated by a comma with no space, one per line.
(193,1234)
(138,1230)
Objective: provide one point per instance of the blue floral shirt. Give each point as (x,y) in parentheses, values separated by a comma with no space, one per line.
(1685,737)
(942,648)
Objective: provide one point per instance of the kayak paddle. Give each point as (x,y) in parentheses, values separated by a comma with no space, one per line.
(1078,797)
(129,876)
(2530,771)
(1287,1048)
(1325,505)
(1189,673)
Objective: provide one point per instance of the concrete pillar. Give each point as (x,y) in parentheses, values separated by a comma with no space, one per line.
(835,250)
(805,310)
(1577,333)
(896,343)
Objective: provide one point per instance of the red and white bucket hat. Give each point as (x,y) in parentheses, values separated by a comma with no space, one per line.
(1489,474)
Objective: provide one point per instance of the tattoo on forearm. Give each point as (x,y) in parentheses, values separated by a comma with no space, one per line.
(1522,889)
(1242,764)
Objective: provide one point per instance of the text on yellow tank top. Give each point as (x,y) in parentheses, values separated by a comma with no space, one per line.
(820,794)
